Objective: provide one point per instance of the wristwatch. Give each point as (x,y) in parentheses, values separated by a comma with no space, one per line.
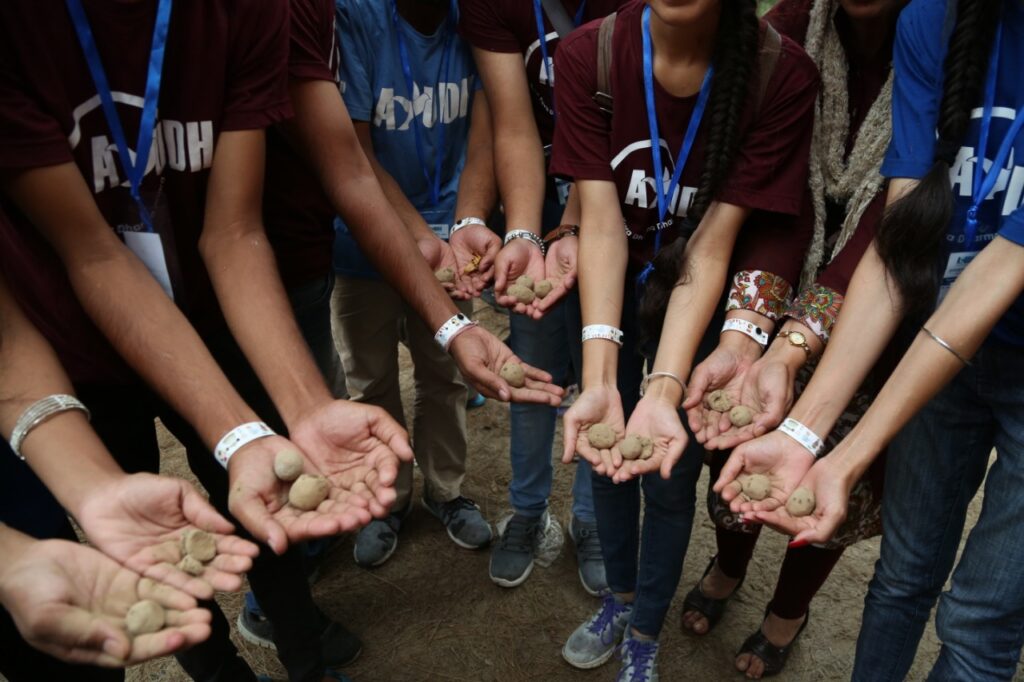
(797,339)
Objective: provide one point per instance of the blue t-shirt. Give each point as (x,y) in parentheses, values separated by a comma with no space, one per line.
(918,58)
(374,87)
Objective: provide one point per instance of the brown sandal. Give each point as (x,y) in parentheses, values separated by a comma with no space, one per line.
(712,609)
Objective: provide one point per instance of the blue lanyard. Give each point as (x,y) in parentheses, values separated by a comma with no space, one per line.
(434,184)
(984,182)
(135,168)
(665,194)
(542,35)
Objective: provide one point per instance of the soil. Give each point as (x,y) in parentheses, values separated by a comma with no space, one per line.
(432,614)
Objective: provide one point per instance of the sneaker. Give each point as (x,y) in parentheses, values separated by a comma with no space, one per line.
(512,559)
(588,556)
(461,516)
(639,660)
(594,642)
(377,541)
(338,646)
(476,401)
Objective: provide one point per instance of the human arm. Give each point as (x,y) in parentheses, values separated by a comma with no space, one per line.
(560,262)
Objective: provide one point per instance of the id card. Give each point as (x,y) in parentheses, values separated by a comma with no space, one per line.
(150,250)
(956,264)
(442,230)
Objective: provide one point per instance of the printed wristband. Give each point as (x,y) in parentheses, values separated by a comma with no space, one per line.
(528,236)
(455,325)
(237,438)
(38,412)
(803,435)
(747,327)
(602,331)
(465,222)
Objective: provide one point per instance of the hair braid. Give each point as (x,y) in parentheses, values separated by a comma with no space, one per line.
(734,58)
(912,231)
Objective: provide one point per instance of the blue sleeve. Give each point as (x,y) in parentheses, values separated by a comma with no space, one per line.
(918,57)
(356,68)
(1012,227)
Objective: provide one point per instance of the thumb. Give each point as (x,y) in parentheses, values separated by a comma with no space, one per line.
(82,637)
(251,512)
(732,468)
(200,513)
(570,432)
(699,381)
(501,267)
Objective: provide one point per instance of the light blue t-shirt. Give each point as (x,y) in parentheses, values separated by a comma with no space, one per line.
(375,90)
(918,58)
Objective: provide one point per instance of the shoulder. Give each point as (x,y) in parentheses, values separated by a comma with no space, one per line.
(368,17)
(921,31)
(790,18)
(794,70)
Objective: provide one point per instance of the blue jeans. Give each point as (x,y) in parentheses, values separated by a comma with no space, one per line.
(934,467)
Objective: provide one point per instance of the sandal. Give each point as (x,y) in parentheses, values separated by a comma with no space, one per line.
(711,609)
(772,657)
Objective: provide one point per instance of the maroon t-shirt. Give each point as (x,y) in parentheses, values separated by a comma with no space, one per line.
(769,173)
(224,69)
(297,215)
(511,26)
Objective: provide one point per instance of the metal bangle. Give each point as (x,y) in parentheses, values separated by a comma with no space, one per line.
(654,375)
(40,411)
(528,236)
(936,339)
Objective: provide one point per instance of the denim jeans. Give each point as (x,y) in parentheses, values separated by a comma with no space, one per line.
(934,467)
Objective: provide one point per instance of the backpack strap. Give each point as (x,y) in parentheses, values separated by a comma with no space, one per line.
(603,96)
(771,48)
(558,17)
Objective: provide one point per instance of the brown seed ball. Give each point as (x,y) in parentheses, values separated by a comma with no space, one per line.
(514,374)
(521,293)
(543,288)
(601,436)
(308,492)
(445,275)
(801,502)
(719,401)
(741,415)
(191,565)
(144,617)
(756,486)
(525,281)
(648,450)
(631,447)
(199,544)
(288,465)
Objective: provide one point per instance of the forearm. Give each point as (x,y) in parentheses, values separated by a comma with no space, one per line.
(478,189)
(571,214)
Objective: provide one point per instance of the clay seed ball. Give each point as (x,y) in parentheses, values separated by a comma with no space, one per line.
(719,401)
(288,465)
(191,565)
(756,486)
(543,288)
(514,374)
(199,544)
(308,492)
(144,617)
(445,275)
(521,293)
(525,281)
(741,415)
(648,449)
(631,447)
(801,502)
(601,436)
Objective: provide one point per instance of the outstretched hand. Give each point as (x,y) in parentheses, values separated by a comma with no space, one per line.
(658,420)
(560,270)
(777,456)
(594,406)
(518,257)
(480,356)
(468,244)
(724,369)
(767,390)
(439,255)
(831,487)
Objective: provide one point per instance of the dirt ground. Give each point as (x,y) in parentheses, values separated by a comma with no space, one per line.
(432,614)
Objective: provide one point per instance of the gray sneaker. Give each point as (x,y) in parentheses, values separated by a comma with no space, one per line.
(588,556)
(594,642)
(512,558)
(639,660)
(461,516)
(377,541)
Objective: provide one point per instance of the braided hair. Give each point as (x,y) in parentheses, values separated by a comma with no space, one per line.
(912,232)
(734,58)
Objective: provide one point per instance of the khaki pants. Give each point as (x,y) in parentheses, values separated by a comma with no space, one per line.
(370,319)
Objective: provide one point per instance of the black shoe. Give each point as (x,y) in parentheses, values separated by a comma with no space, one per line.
(512,557)
(338,646)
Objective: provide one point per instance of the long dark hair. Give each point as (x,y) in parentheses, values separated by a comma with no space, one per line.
(912,232)
(734,58)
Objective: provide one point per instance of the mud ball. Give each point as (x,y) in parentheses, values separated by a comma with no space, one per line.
(199,545)
(445,275)
(543,288)
(801,502)
(756,486)
(308,492)
(741,415)
(631,447)
(521,293)
(601,436)
(144,617)
(288,465)
(525,281)
(719,401)
(191,565)
(514,374)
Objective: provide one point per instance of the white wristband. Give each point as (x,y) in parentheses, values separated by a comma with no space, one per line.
(455,325)
(602,331)
(736,324)
(465,222)
(803,435)
(237,438)
(38,412)
(528,236)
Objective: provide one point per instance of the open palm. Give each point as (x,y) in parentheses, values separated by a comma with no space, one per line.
(777,456)
(658,420)
(595,406)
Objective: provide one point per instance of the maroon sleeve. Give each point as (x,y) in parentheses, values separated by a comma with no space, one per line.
(482,24)
(257,83)
(790,18)
(839,272)
(581,149)
(312,54)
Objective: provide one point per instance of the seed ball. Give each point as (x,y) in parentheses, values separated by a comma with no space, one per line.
(741,415)
(801,502)
(514,374)
(308,492)
(144,617)
(648,448)
(719,401)
(756,486)
(199,544)
(191,565)
(445,275)
(288,465)
(543,288)
(521,293)
(601,436)
(631,447)
(525,281)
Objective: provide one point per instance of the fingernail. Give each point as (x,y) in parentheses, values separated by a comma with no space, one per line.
(797,544)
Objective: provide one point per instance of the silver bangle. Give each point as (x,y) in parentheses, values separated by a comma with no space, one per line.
(528,236)
(654,375)
(465,222)
(237,438)
(944,344)
(38,412)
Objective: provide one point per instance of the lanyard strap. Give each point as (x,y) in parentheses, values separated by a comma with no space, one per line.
(447,47)
(134,165)
(542,36)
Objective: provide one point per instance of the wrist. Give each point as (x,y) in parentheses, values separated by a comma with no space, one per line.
(786,353)
(13,544)
(665,389)
(600,364)
(740,344)
(308,398)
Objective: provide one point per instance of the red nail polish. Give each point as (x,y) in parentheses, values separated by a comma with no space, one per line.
(797,544)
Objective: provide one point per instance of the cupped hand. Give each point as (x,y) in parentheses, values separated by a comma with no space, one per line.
(724,369)
(560,270)
(658,420)
(518,257)
(438,254)
(768,391)
(138,520)
(598,405)
(480,356)
(777,456)
(69,601)
(475,241)
(831,487)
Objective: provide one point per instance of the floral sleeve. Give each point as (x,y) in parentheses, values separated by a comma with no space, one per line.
(761,292)
(817,307)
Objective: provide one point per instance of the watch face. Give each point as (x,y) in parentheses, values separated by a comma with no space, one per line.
(797,339)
